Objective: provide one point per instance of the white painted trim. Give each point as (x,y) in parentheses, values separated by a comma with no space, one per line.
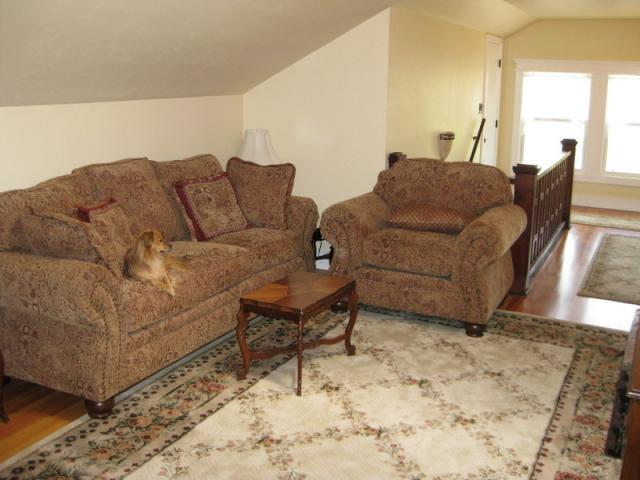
(577,66)
(492,39)
(614,203)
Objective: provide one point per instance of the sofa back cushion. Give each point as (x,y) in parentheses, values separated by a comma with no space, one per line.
(133,183)
(171,172)
(55,195)
(263,191)
(103,237)
(470,188)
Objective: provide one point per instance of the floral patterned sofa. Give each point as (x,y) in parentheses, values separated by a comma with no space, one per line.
(72,321)
(432,238)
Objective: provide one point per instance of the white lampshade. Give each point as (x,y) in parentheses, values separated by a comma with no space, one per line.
(258,147)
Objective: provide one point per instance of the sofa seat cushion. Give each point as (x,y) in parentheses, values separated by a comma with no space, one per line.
(211,268)
(267,247)
(427,253)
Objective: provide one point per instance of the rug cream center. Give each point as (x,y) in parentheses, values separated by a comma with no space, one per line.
(416,401)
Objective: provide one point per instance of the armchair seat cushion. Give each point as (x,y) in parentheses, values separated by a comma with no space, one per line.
(212,267)
(266,247)
(427,253)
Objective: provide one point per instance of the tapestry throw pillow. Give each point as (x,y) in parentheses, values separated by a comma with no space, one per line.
(211,206)
(430,219)
(111,224)
(263,191)
(170,172)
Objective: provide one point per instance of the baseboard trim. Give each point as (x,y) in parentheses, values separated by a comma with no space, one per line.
(614,203)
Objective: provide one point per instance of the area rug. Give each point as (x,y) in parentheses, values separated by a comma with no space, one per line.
(602,219)
(419,400)
(614,273)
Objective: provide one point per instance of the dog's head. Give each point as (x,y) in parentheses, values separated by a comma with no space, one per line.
(153,241)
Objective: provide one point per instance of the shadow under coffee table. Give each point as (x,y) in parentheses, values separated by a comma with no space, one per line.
(297,297)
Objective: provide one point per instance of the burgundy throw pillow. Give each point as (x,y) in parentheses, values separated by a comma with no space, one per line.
(211,206)
(430,219)
(263,191)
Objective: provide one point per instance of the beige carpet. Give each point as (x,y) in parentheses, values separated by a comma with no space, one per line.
(602,219)
(419,400)
(614,273)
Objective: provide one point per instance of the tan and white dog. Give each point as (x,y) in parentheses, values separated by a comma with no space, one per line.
(148,261)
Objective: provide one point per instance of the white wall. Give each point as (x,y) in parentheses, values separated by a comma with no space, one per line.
(40,142)
(327,113)
(436,74)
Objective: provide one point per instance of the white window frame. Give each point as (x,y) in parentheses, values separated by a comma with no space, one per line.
(593,163)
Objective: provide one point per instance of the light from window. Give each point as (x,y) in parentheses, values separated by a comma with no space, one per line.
(554,106)
(623,124)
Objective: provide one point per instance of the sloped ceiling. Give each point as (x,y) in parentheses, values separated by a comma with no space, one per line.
(62,51)
(68,51)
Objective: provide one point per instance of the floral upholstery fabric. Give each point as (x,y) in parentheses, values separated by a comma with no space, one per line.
(211,268)
(302,219)
(171,172)
(263,191)
(429,219)
(429,253)
(463,276)
(347,224)
(76,327)
(134,185)
(465,187)
(56,235)
(266,247)
(111,223)
(211,206)
(57,195)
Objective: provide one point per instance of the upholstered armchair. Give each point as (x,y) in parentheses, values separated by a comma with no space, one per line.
(432,238)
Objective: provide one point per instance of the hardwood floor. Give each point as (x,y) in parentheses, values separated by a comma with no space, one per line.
(36,412)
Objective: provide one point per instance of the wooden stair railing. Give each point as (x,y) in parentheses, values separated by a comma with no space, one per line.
(545,196)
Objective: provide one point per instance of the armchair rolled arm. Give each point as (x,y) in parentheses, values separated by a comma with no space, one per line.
(347,224)
(488,238)
(302,218)
(70,291)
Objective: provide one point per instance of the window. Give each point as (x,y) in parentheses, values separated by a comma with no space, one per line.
(554,106)
(597,103)
(623,124)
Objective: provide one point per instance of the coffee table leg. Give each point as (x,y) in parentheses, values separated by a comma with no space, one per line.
(353,313)
(300,350)
(241,335)
(3,415)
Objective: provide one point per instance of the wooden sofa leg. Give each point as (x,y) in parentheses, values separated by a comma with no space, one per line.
(474,329)
(99,409)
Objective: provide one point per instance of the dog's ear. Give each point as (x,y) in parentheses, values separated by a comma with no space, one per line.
(147,237)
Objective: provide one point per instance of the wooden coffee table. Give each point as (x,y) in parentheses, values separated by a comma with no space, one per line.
(297,297)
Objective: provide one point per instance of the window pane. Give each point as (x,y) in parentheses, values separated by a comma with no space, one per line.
(623,124)
(554,106)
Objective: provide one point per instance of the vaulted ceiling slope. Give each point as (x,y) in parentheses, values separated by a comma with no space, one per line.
(67,51)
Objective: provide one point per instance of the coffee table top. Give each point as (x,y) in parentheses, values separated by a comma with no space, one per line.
(300,293)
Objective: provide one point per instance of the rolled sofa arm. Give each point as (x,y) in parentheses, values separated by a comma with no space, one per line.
(59,325)
(68,290)
(347,224)
(302,219)
(488,238)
